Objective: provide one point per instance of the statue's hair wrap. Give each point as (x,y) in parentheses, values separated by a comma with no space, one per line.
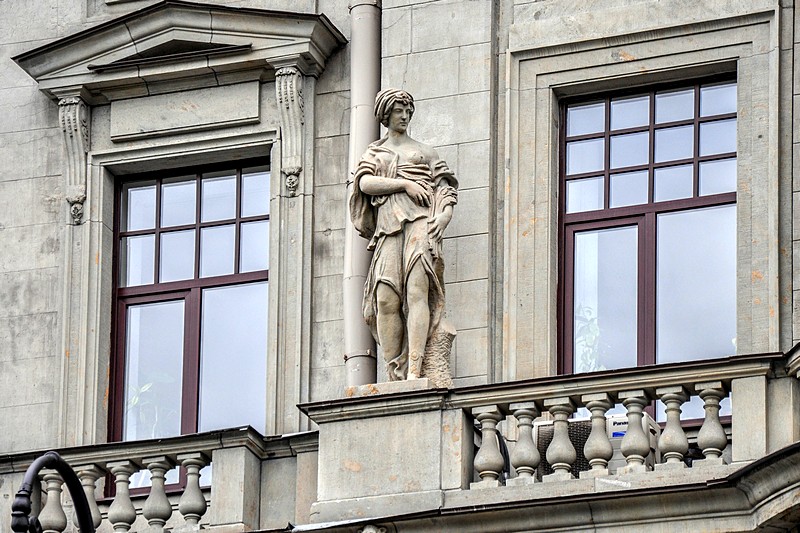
(386,99)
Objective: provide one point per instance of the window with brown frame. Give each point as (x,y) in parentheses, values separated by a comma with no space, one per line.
(192,252)
(648,227)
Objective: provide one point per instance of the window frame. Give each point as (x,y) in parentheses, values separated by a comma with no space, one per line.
(189,290)
(643,216)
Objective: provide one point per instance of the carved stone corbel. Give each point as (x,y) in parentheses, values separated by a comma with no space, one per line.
(289,90)
(73,114)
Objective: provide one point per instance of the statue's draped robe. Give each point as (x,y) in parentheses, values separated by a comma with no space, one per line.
(397,229)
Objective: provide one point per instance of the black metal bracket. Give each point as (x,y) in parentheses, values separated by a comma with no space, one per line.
(21,520)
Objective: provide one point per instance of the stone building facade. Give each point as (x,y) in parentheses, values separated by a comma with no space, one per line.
(561,119)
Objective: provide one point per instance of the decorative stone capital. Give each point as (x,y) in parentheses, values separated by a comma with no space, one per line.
(74,116)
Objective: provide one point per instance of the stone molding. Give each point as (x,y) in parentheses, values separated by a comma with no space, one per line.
(246,43)
(289,90)
(75,117)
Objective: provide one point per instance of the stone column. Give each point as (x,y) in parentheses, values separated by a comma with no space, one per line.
(561,453)
(488,461)
(673,443)
(53,518)
(598,449)
(712,438)
(121,513)
(636,443)
(525,458)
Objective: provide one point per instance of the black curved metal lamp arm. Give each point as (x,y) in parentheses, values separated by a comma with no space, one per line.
(21,521)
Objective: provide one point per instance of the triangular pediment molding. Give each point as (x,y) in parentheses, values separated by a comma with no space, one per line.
(176,45)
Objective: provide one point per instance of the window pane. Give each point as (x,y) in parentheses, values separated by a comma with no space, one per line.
(254,243)
(718,137)
(629,189)
(583,119)
(153,370)
(137,261)
(717,176)
(233,357)
(605,299)
(630,112)
(674,105)
(674,143)
(696,284)
(255,192)
(178,202)
(585,156)
(717,99)
(219,197)
(584,195)
(216,251)
(139,206)
(177,256)
(672,183)
(629,150)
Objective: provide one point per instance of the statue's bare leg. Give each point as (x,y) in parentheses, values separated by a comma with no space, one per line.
(389,321)
(419,318)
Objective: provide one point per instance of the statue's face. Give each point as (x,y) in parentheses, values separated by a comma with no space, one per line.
(400,117)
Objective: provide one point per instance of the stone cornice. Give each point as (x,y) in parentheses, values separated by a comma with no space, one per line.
(133,55)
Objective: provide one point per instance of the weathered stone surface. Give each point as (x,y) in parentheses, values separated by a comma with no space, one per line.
(441,121)
(472,352)
(396,34)
(424,74)
(466,22)
(467,295)
(199,109)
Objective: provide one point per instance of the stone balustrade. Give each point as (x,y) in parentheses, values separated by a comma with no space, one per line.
(182,505)
(635,390)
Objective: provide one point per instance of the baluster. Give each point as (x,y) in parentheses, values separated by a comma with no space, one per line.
(598,449)
(122,514)
(53,518)
(488,461)
(561,453)
(192,504)
(525,456)
(636,443)
(89,474)
(712,438)
(673,443)
(157,509)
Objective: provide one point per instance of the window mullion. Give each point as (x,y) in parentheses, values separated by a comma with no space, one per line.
(647,285)
(191,362)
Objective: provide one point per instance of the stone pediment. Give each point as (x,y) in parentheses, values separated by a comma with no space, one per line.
(176,45)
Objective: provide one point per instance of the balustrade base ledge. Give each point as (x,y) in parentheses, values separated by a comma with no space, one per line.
(485,484)
(632,469)
(587,474)
(710,462)
(558,476)
(519,481)
(384,505)
(670,466)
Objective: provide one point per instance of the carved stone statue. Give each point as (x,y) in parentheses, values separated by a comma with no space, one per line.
(402,201)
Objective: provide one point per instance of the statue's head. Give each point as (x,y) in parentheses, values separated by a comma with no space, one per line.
(386,100)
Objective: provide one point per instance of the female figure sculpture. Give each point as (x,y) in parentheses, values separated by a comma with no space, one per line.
(402,201)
